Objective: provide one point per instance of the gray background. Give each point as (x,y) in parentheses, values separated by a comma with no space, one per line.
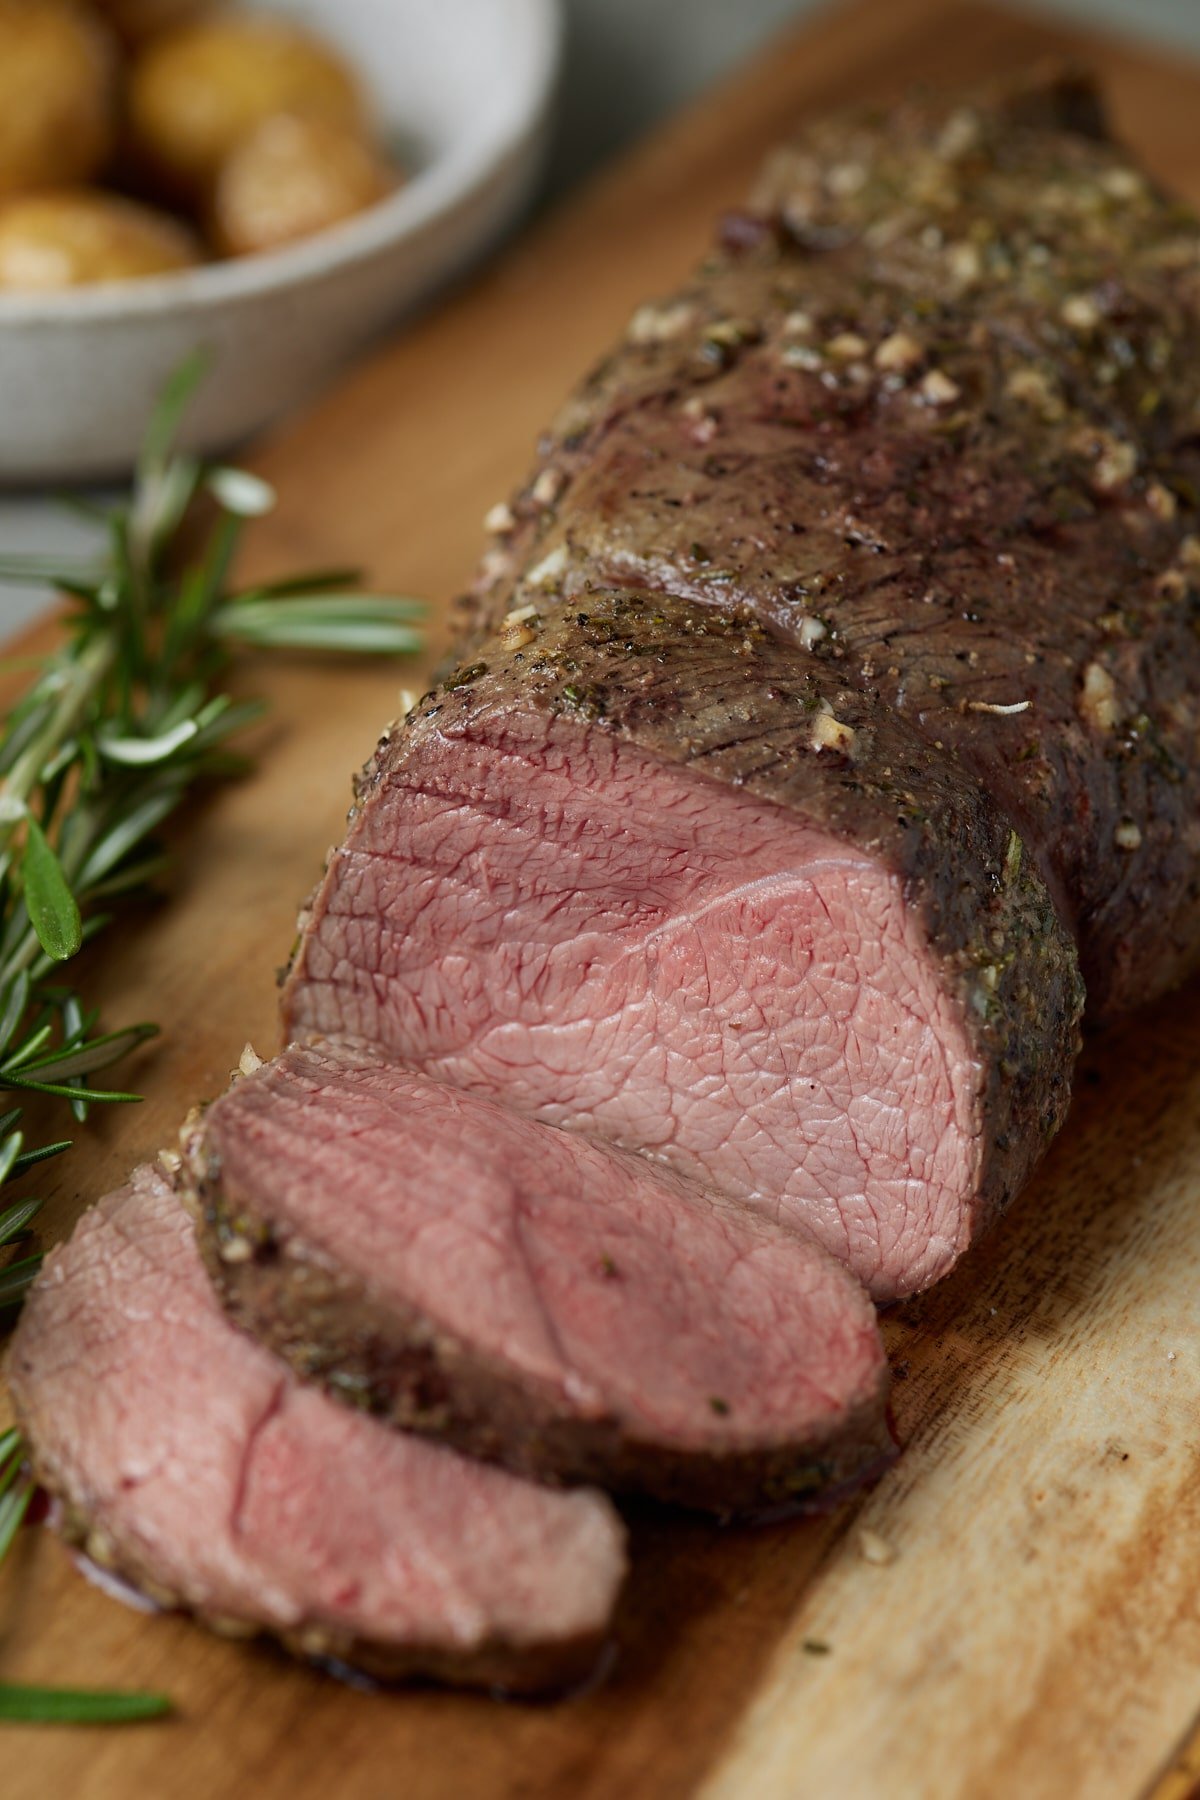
(630,62)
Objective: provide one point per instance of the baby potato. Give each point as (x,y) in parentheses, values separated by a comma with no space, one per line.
(63,240)
(292,177)
(198,91)
(58,94)
(137,20)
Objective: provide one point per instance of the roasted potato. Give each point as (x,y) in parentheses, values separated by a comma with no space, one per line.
(291,177)
(198,92)
(58,94)
(62,240)
(137,20)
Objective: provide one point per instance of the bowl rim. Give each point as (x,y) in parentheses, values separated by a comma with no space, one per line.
(449,181)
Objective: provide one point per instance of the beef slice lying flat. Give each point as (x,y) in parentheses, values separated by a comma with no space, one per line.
(188,1459)
(529,1294)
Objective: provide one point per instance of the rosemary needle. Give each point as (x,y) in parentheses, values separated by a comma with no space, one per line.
(70,1706)
(108,735)
(102,743)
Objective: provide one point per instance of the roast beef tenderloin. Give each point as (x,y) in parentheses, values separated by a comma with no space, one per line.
(647,873)
(832,696)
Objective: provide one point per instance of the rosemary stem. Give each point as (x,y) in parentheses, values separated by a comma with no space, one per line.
(82,678)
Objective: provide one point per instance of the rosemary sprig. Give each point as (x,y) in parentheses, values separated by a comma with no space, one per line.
(102,744)
(110,734)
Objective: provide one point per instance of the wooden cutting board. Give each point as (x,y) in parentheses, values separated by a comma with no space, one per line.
(1037,1631)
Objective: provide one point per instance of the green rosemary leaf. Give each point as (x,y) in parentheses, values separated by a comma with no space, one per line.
(97,1053)
(137,753)
(11,1464)
(76,1023)
(169,412)
(135,875)
(10,1150)
(48,571)
(57,1089)
(213,575)
(123,835)
(53,909)
(15,1282)
(23,728)
(10,1441)
(14,1219)
(376,625)
(221,719)
(15,1003)
(178,704)
(61,760)
(337,605)
(13,1508)
(29,1159)
(33,1043)
(78,588)
(69,1706)
(316,581)
(168,496)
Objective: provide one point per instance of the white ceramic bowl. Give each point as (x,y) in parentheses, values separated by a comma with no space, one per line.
(465,84)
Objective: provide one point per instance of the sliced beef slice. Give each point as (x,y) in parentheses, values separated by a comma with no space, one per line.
(190,1460)
(644,871)
(530,1295)
(932,413)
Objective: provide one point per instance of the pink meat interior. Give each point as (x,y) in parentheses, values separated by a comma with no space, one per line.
(560,1261)
(625,947)
(246,1494)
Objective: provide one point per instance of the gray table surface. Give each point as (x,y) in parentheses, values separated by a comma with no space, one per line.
(629,63)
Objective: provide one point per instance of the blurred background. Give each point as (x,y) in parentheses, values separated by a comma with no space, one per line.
(628,64)
(631,61)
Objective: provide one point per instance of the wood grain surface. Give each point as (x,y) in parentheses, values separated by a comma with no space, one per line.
(1037,1629)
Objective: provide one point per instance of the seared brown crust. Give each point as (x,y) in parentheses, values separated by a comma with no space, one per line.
(932,413)
(523,1670)
(719,693)
(400,1367)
